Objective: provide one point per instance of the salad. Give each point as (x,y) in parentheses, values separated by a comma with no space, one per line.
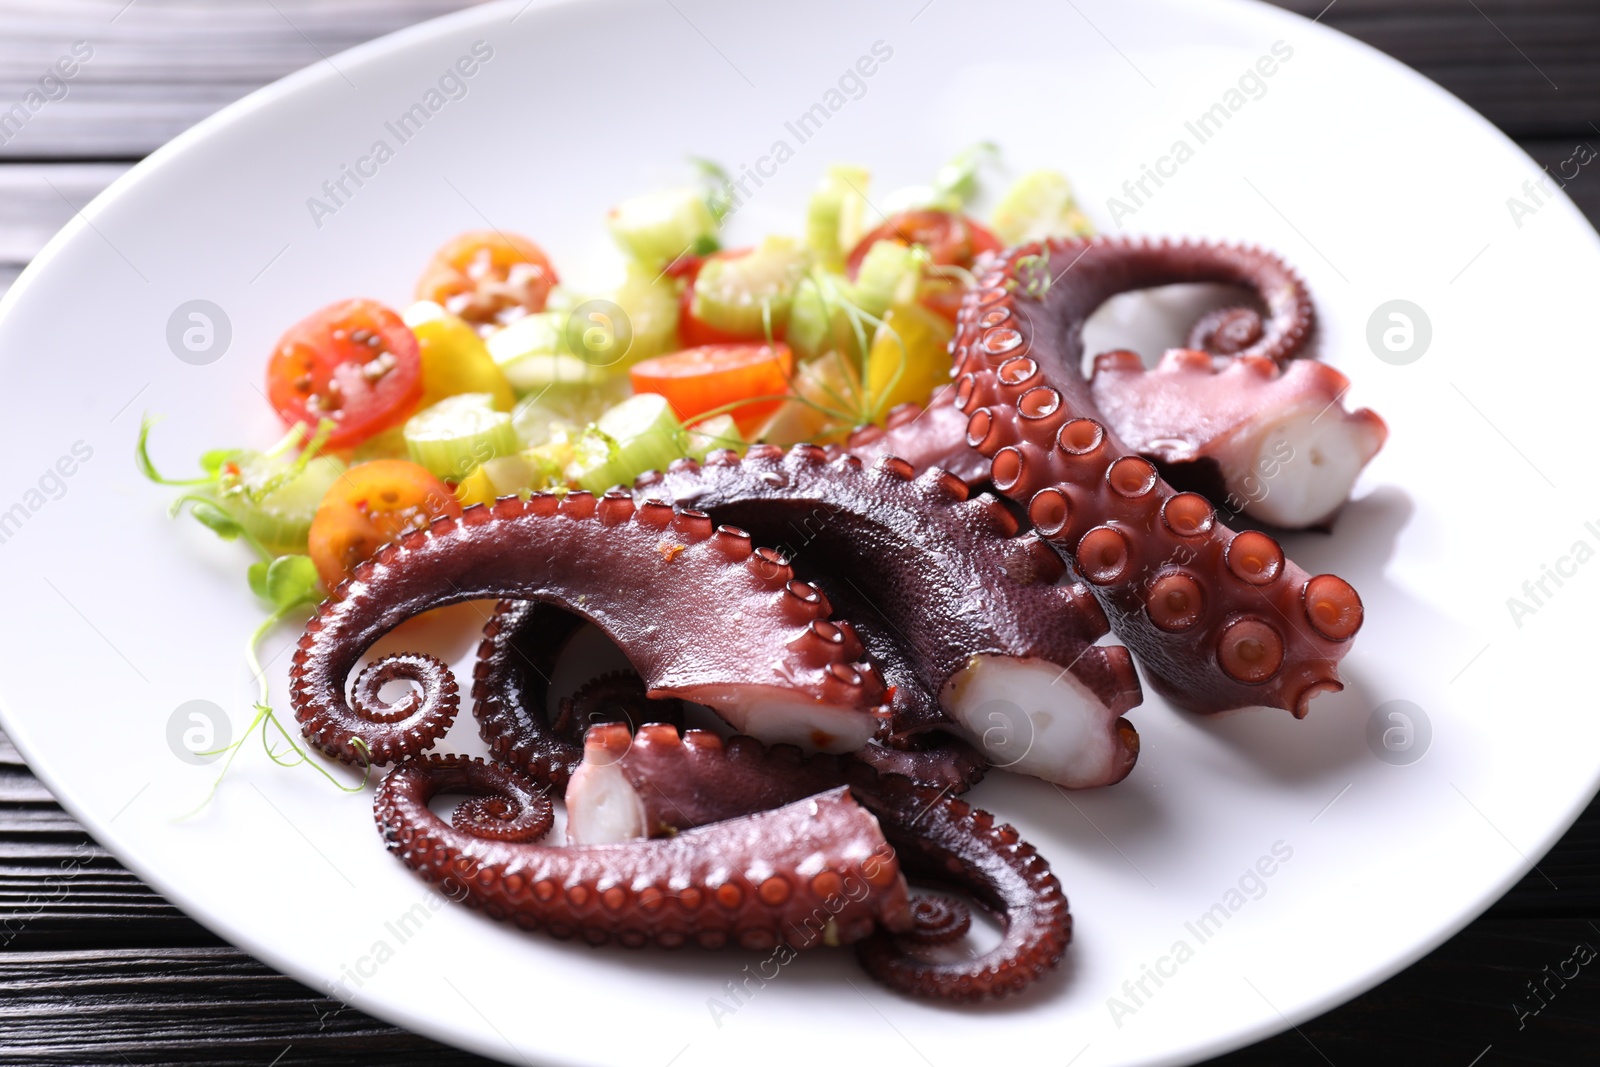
(499,380)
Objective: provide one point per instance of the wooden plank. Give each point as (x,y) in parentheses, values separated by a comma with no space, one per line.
(159,66)
(157,69)
(36,200)
(1528,65)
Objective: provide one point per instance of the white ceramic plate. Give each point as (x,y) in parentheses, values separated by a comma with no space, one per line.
(1376,183)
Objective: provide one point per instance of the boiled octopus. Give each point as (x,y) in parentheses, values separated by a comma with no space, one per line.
(1235,416)
(1270,440)
(852,737)
(773,663)
(677,840)
(1219,620)
(962,611)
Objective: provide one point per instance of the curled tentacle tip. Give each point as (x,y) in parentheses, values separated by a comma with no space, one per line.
(937,921)
(1302,703)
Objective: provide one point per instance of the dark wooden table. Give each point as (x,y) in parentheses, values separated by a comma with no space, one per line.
(95,968)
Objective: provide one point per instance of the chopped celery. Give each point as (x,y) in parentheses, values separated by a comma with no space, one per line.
(820,318)
(708,435)
(889,274)
(454,359)
(637,435)
(745,295)
(1040,204)
(836,217)
(909,358)
(458,433)
(532,352)
(651,303)
(275,497)
(656,228)
(553,413)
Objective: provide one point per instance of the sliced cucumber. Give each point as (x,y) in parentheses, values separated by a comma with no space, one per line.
(658,227)
(836,217)
(458,433)
(273,501)
(708,435)
(746,294)
(638,435)
(1039,205)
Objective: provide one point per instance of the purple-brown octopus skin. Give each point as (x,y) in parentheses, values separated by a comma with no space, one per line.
(931,436)
(1271,440)
(814,872)
(1218,620)
(658,785)
(699,613)
(960,611)
(510,693)
(936,436)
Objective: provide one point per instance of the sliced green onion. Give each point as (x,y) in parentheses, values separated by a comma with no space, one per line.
(836,217)
(889,274)
(458,433)
(658,227)
(708,435)
(744,295)
(275,497)
(638,435)
(1038,206)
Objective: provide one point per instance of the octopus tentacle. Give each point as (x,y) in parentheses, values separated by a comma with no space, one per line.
(938,760)
(772,877)
(935,436)
(767,653)
(959,609)
(1218,620)
(511,688)
(953,843)
(1274,442)
(657,784)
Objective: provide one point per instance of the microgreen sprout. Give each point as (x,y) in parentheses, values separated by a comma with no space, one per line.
(288,583)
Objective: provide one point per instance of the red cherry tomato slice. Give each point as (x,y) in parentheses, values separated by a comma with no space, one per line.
(698,380)
(370,505)
(355,363)
(952,240)
(488,278)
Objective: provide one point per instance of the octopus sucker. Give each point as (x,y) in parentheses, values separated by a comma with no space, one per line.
(952,598)
(660,785)
(738,881)
(1274,441)
(765,656)
(1210,636)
